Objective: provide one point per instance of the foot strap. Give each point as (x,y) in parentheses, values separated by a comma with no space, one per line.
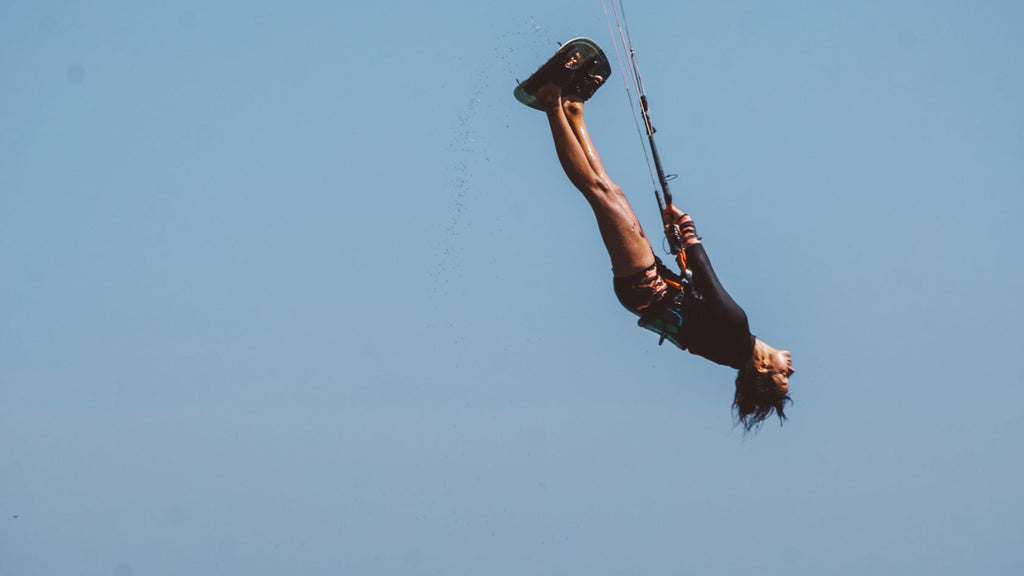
(579,68)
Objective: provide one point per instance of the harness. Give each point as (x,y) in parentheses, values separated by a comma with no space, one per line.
(668,318)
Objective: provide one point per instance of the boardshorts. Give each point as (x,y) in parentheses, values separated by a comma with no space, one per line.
(658,304)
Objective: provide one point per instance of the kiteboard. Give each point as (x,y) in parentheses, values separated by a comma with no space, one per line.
(579,68)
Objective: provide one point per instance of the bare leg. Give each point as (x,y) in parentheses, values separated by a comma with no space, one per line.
(623,237)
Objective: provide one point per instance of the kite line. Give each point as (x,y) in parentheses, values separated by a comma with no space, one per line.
(662,191)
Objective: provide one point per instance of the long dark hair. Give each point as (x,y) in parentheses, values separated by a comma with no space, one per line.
(757,397)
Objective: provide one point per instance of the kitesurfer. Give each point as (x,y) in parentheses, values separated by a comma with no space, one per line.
(694,313)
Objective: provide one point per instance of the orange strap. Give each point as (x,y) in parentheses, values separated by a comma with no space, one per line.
(681,259)
(681,255)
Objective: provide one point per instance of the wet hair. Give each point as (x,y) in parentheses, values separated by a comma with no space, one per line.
(757,397)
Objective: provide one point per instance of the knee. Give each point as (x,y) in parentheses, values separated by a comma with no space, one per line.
(602,187)
(597,188)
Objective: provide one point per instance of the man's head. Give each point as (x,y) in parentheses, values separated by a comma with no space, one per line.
(762,387)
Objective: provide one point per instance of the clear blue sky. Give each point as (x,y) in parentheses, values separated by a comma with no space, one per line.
(303,290)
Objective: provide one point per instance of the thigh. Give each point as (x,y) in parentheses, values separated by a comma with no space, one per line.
(623,237)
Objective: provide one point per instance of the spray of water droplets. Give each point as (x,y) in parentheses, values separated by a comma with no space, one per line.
(486,111)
